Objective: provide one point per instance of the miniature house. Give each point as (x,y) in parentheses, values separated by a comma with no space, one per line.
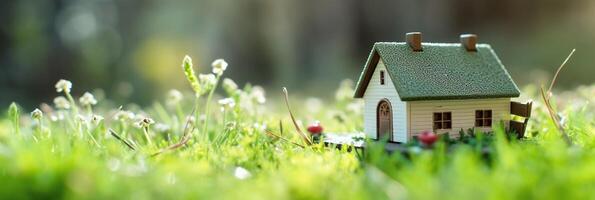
(410,87)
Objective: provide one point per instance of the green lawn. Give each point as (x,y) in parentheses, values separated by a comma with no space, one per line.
(229,155)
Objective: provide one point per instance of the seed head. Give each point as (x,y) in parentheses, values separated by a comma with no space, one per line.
(190,75)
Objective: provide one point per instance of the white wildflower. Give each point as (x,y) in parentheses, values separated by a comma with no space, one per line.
(124,115)
(36,114)
(87,99)
(61,103)
(260,127)
(313,105)
(219,66)
(229,85)
(355,107)
(82,118)
(63,85)
(241,173)
(190,119)
(345,91)
(258,94)
(207,81)
(174,97)
(227,103)
(58,116)
(162,128)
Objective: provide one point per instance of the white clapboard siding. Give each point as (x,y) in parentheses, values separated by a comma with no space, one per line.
(463,113)
(372,96)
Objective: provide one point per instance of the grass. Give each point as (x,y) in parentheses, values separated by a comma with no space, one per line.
(178,156)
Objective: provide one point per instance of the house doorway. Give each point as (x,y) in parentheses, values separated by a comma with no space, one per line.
(384,120)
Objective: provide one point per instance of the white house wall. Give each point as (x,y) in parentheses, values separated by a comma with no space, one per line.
(463,113)
(372,96)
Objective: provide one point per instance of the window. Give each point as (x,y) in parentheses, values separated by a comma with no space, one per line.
(442,120)
(381,77)
(483,118)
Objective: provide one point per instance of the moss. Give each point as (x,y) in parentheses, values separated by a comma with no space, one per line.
(442,71)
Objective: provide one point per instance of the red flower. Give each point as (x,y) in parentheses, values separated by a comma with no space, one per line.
(315,128)
(427,138)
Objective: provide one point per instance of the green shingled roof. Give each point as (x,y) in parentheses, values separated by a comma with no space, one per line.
(440,71)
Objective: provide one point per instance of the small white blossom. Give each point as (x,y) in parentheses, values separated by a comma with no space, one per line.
(124,115)
(345,91)
(219,66)
(208,79)
(241,173)
(229,85)
(61,103)
(162,128)
(190,119)
(82,118)
(313,105)
(58,116)
(258,94)
(36,114)
(63,85)
(174,97)
(355,107)
(87,99)
(227,103)
(260,127)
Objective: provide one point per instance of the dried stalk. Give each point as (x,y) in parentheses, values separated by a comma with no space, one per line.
(297,127)
(282,138)
(547,97)
(185,138)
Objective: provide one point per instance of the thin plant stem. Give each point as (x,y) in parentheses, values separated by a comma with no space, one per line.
(146,132)
(39,128)
(196,114)
(89,110)
(93,138)
(72,102)
(205,125)
(559,69)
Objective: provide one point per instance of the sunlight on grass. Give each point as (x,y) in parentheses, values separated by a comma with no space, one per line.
(168,151)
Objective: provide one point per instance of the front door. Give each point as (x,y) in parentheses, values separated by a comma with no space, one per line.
(384,120)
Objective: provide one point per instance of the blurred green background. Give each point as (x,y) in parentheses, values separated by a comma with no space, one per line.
(133,49)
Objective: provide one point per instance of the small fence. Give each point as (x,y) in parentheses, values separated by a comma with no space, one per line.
(522,110)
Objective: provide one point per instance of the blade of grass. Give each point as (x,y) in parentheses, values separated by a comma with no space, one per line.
(113,133)
(282,138)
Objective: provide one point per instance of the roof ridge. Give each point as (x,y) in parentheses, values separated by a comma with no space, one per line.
(435,43)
